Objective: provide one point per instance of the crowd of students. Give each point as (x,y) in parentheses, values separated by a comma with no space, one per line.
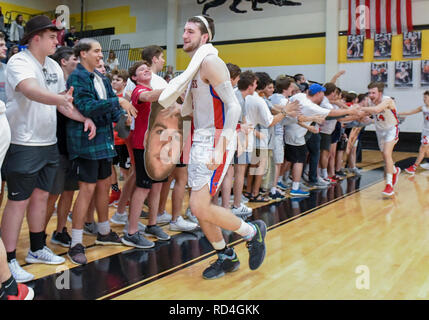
(72,122)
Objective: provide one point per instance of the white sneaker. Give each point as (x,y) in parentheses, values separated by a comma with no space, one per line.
(182,225)
(191,217)
(118,218)
(244,199)
(425,165)
(19,274)
(140,227)
(241,210)
(163,218)
(44,255)
(321,180)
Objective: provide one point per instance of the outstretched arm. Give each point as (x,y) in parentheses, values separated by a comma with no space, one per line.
(409,113)
(337,75)
(387,103)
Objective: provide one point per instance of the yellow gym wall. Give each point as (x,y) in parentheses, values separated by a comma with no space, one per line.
(118,17)
(267,53)
(5,7)
(297,52)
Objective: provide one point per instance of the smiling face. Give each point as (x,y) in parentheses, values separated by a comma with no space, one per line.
(375,95)
(143,75)
(162,143)
(93,56)
(192,37)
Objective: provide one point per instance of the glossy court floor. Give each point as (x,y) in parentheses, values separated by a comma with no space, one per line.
(345,242)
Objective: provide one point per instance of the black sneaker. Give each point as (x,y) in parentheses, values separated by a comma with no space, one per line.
(226,262)
(341,173)
(111,238)
(61,238)
(144,214)
(276,196)
(77,254)
(256,246)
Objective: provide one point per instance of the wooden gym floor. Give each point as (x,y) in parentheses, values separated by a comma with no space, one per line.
(344,242)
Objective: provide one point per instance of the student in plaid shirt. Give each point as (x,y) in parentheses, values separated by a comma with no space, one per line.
(92,160)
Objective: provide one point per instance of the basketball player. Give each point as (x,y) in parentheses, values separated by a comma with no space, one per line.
(215,112)
(424,147)
(387,130)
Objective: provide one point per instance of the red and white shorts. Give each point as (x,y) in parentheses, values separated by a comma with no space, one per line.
(387,135)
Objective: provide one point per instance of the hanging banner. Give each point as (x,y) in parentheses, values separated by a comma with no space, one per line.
(425,73)
(403,74)
(383,46)
(379,72)
(412,45)
(355,47)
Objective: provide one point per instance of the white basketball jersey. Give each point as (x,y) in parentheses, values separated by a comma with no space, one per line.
(387,119)
(209,111)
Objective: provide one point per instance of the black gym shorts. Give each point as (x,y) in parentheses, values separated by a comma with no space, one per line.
(142,178)
(90,171)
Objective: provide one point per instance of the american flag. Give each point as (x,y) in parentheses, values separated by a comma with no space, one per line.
(380,16)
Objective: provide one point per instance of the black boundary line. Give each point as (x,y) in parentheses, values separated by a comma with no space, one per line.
(190,263)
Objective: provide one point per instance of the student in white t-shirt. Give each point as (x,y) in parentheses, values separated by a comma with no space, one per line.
(295,148)
(284,88)
(34,86)
(258,113)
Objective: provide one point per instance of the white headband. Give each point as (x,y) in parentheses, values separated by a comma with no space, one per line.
(206,23)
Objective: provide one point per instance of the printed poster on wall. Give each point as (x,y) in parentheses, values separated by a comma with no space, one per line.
(379,72)
(412,44)
(355,47)
(383,46)
(403,74)
(425,73)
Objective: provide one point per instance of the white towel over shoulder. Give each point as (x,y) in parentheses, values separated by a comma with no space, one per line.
(181,83)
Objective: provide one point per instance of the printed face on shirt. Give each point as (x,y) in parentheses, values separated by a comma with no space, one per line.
(375,95)
(192,37)
(163,143)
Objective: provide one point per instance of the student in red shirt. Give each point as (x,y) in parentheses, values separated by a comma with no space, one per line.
(141,98)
